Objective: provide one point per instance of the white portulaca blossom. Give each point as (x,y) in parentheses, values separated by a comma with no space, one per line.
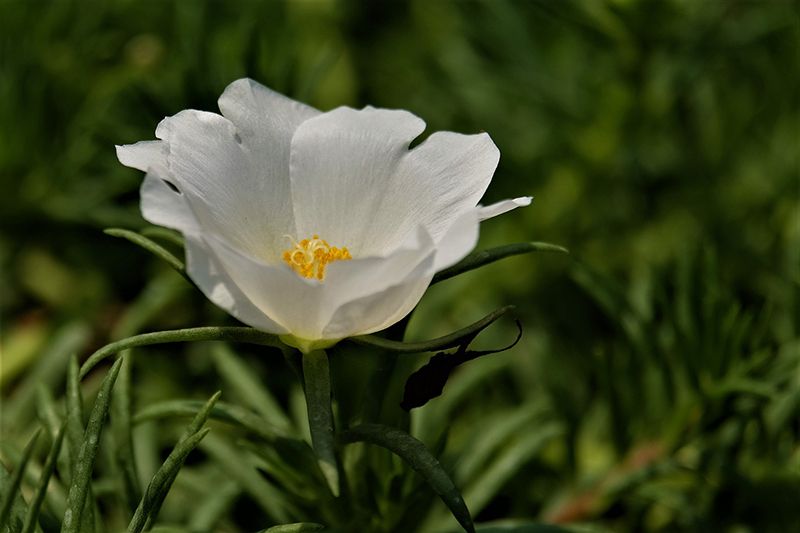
(312,225)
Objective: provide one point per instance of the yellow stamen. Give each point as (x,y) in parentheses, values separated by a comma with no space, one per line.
(309,257)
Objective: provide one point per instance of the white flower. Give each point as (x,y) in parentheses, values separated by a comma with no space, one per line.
(314,226)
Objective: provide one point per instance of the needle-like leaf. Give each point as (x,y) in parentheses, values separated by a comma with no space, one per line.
(246,384)
(485,257)
(223,412)
(299,527)
(82,473)
(210,333)
(121,431)
(150,504)
(152,247)
(162,481)
(41,489)
(457,338)
(75,427)
(10,492)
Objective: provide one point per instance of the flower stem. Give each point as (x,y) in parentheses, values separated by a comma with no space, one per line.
(317,374)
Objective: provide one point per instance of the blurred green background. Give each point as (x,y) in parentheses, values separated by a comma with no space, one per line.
(657,386)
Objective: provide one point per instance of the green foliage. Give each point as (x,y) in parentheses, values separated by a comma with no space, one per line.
(9,494)
(459,338)
(486,257)
(299,527)
(41,488)
(152,247)
(150,504)
(655,387)
(420,459)
(317,382)
(83,460)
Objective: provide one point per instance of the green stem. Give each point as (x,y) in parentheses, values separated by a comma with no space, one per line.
(317,374)
(210,333)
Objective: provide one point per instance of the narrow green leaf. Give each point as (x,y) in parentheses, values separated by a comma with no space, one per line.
(121,431)
(32,517)
(223,412)
(10,492)
(457,338)
(247,385)
(157,232)
(18,507)
(317,374)
(74,400)
(518,526)
(507,463)
(291,463)
(76,430)
(152,247)
(150,504)
(298,527)
(159,293)
(214,506)
(82,474)
(485,257)
(736,385)
(162,481)
(433,422)
(46,410)
(505,425)
(202,416)
(209,333)
(56,423)
(264,493)
(420,459)
(48,370)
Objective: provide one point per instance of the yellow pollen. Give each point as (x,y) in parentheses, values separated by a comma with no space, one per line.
(309,257)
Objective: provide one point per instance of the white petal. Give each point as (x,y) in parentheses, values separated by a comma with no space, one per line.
(277,291)
(462,236)
(266,122)
(304,307)
(503,206)
(165,206)
(341,165)
(436,183)
(161,202)
(144,156)
(378,311)
(460,239)
(204,268)
(223,181)
(263,117)
(366,302)
(349,280)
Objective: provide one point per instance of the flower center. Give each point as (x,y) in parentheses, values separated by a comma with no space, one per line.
(309,257)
